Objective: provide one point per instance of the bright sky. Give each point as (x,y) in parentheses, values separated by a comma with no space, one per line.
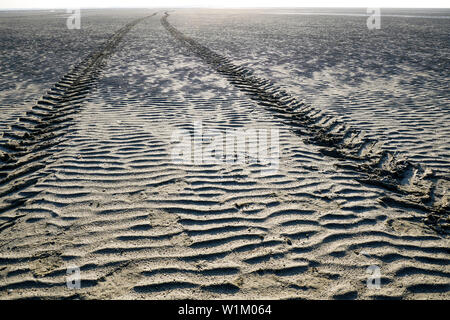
(9,4)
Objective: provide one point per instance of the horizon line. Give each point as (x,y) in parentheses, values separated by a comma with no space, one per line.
(212,7)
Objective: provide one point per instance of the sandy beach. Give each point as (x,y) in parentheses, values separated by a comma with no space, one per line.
(355,176)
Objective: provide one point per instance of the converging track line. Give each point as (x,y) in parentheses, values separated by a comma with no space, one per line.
(410,184)
(33,134)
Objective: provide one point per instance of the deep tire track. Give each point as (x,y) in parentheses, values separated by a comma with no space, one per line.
(411,185)
(43,127)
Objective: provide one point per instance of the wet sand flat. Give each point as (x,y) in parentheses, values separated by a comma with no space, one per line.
(88,177)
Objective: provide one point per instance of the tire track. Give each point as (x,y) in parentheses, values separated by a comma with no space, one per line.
(141,226)
(411,185)
(25,152)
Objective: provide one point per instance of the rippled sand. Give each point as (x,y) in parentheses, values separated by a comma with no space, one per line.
(88,180)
